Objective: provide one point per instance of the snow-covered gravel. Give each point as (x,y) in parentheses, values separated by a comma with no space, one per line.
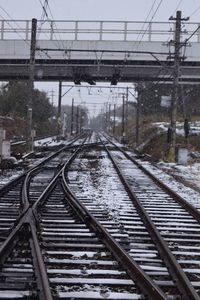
(190,174)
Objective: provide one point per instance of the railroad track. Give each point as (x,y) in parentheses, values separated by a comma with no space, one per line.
(53,253)
(83,230)
(160,228)
(37,178)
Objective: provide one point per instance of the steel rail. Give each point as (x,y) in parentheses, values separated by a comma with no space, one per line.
(27,226)
(27,173)
(25,179)
(28,176)
(53,183)
(32,220)
(20,178)
(142,280)
(11,240)
(39,266)
(185,287)
(27,222)
(4,189)
(25,187)
(186,205)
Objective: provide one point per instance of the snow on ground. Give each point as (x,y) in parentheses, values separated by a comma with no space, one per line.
(50,141)
(53,141)
(8,175)
(97,183)
(182,188)
(188,174)
(194,127)
(183,179)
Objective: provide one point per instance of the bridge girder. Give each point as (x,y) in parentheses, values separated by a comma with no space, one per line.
(92,71)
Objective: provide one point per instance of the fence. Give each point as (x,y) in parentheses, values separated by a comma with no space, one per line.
(96,30)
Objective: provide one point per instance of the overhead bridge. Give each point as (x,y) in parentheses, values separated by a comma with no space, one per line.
(93,51)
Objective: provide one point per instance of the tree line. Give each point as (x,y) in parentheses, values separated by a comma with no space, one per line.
(13,105)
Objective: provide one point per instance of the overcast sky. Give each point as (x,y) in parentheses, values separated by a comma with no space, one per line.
(131,10)
(118,10)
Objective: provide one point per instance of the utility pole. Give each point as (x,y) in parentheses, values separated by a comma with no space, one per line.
(126,112)
(123,116)
(109,123)
(106,106)
(140,88)
(137,127)
(175,96)
(29,132)
(77,120)
(114,117)
(59,109)
(72,116)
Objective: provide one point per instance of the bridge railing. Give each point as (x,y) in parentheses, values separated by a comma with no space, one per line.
(96,30)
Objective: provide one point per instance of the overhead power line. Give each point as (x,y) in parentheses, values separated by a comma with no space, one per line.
(146,19)
(156,10)
(158,6)
(195,11)
(49,17)
(7,22)
(177,7)
(193,33)
(14,30)
(44,8)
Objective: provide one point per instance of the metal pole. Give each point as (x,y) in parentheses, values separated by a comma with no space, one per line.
(80,119)
(114,117)
(126,112)
(123,116)
(29,140)
(109,123)
(72,116)
(77,120)
(59,108)
(106,116)
(137,128)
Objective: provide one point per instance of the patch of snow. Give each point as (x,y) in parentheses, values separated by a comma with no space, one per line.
(8,176)
(98,295)
(189,173)
(194,127)
(14,294)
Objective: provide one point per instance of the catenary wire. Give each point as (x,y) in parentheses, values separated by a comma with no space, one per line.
(159,4)
(42,22)
(195,11)
(146,19)
(7,21)
(178,5)
(14,30)
(48,8)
